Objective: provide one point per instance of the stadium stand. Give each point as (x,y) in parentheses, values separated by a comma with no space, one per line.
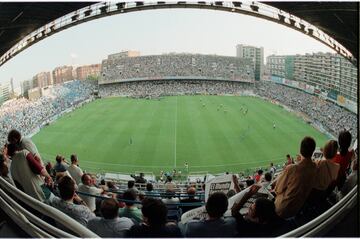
(27,116)
(115,69)
(332,117)
(138,81)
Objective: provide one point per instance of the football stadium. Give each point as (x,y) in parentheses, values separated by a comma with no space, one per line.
(211,133)
(182,144)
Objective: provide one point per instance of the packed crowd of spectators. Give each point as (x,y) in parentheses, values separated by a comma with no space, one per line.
(180,65)
(328,114)
(155,89)
(300,190)
(26,115)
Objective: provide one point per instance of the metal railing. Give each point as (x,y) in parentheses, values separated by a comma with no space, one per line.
(322,224)
(33,225)
(36,227)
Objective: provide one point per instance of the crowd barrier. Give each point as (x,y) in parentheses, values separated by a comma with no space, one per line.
(33,225)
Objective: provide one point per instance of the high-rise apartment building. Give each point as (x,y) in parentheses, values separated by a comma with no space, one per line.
(4,93)
(42,79)
(12,85)
(62,74)
(83,72)
(330,73)
(256,54)
(25,87)
(281,66)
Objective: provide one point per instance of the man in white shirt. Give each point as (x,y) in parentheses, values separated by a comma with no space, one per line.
(87,186)
(74,170)
(14,137)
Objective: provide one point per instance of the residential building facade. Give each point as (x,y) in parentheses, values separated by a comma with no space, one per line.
(330,73)
(42,79)
(83,72)
(62,74)
(256,54)
(4,93)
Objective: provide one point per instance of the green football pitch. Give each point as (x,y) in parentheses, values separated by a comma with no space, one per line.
(211,133)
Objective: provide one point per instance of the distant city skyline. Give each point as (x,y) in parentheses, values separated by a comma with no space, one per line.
(156,32)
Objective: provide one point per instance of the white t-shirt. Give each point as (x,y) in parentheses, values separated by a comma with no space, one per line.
(23,175)
(76,173)
(89,200)
(26,143)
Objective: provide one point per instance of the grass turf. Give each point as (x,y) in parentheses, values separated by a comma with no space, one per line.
(211,133)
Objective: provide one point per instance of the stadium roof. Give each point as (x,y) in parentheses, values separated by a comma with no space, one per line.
(18,19)
(338,19)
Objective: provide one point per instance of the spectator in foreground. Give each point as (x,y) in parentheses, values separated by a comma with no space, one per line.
(261,220)
(130,210)
(150,192)
(61,166)
(4,170)
(344,157)
(266,181)
(169,185)
(50,169)
(191,191)
(14,137)
(258,176)
(131,186)
(327,169)
(272,169)
(154,224)
(79,212)
(140,178)
(289,161)
(74,170)
(170,197)
(214,225)
(352,180)
(110,225)
(296,182)
(27,172)
(87,186)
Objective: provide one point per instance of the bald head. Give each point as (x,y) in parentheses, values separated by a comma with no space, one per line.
(191,192)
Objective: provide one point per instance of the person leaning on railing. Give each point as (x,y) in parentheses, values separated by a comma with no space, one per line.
(15,137)
(27,172)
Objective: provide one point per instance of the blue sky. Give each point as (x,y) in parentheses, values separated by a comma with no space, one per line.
(156,32)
